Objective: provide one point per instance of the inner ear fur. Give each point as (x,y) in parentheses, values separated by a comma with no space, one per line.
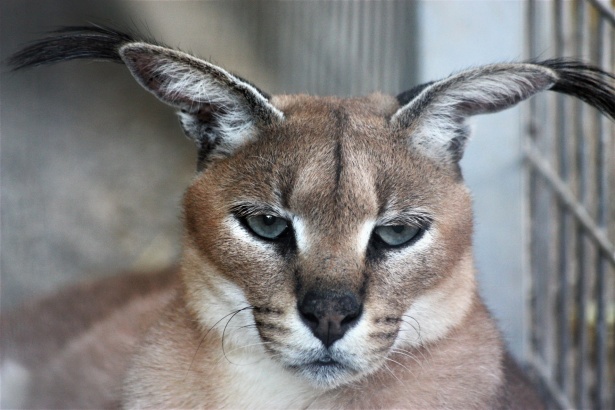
(436,112)
(218,110)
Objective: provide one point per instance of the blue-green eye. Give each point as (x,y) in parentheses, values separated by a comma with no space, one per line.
(396,235)
(267,226)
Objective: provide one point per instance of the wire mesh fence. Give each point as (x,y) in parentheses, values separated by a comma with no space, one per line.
(570,201)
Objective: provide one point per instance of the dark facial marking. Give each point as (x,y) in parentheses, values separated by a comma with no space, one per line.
(340,121)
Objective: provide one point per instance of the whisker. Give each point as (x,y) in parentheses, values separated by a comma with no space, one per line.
(269,355)
(392,373)
(400,364)
(247,346)
(420,350)
(207,333)
(418,331)
(226,326)
(409,355)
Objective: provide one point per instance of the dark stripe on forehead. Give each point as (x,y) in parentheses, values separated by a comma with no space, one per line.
(285,178)
(341,120)
(338,163)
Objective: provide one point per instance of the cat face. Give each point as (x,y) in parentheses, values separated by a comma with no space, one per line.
(333,239)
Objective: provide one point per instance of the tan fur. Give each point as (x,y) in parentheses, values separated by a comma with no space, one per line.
(230,335)
(74,347)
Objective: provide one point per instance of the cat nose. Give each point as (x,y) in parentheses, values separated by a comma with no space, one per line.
(329,314)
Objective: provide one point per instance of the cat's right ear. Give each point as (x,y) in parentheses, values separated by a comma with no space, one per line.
(436,112)
(218,110)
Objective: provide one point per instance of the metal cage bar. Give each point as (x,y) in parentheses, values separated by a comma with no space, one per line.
(570,202)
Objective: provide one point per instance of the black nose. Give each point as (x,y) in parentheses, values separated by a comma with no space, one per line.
(329,315)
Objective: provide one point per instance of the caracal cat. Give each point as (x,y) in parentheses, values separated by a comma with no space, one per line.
(327,257)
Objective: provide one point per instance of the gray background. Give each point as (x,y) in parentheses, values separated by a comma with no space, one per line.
(92,168)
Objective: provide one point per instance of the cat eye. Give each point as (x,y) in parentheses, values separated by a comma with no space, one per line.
(397,235)
(267,226)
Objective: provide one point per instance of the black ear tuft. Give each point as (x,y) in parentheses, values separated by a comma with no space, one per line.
(73,43)
(585,82)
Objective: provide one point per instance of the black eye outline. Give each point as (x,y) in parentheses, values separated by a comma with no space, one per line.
(395,236)
(417,222)
(267,226)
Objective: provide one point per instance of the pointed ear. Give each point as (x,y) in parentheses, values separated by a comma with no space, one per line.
(435,113)
(219,111)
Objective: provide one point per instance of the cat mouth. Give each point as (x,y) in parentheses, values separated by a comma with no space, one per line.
(325,361)
(326,372)
(328,365)
(322,363)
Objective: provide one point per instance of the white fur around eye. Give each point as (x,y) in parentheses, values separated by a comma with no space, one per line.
(424,242)
(301,234)
(365,233)
(240,233)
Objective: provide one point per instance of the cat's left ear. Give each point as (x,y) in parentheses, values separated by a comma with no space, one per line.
(218,110)
(435,113)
